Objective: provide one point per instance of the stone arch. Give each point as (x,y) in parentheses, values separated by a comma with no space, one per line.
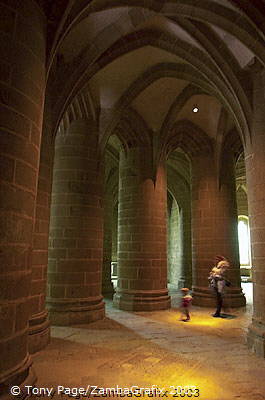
(204,11)
(156,39)
(223,58)
(232,147)
(81,107)
(132,130)
(232,142)
(189,137)
(176,106)
(241,186)
(170,70)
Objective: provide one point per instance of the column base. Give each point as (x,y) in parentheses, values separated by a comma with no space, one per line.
(39,332)
(204,297)
(142,300)
(66,312)
(256,337)
(22,376)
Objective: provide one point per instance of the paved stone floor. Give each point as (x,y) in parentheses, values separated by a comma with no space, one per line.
(144,349)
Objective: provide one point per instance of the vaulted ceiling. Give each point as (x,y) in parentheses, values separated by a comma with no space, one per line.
(156,60)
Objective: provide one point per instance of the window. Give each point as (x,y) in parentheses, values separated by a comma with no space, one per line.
(244,241)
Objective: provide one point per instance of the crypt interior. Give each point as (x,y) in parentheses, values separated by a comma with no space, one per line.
(132,152)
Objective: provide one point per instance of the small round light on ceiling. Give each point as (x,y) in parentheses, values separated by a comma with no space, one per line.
(195,109)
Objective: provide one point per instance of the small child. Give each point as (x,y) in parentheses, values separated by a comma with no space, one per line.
(185,305)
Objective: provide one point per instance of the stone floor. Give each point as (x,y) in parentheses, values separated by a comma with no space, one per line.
(144,349)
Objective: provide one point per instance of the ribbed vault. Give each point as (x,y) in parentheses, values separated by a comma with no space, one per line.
(212,42)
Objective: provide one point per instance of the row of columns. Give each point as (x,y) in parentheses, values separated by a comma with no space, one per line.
(76,227)
(76,238)
(76,215)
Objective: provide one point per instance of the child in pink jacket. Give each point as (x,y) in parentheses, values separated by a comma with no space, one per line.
(185,305)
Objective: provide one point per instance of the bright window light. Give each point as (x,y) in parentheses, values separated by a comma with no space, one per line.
(244,241)
(195,109)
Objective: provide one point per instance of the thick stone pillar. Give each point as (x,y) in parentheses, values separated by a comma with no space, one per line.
(142,233)
(22,45)
(255,170)
(107,286)
(39,325)
(214,228)
(76,228)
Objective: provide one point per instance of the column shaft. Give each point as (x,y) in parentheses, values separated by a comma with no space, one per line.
(114,240)
(255,171)
(22,92)
(175,247)
(107,286)
(185,237)
(214,228)
(76,228)
(39,326)
(142,234)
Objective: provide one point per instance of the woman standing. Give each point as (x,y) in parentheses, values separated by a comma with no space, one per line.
(218,282)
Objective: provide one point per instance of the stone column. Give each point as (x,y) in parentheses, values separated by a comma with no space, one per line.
(169,265)
(22,92)
(39,326)
(114,241)
(255,170)
(181,192)
(142,233)
(185,278)
(174,247)
(76,228)
(114,233)
(214,228)
(107,286)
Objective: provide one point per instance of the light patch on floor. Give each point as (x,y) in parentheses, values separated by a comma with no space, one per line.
(156,349)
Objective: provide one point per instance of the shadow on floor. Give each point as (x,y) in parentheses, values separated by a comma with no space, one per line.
(228,316)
